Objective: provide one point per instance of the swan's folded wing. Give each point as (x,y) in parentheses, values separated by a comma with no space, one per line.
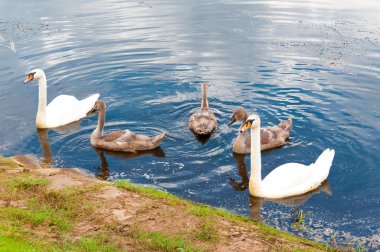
(62,102)
(119,136)
(63,110)
(290,178)
(88,103)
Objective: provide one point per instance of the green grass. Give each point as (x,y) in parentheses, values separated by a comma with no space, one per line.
(157,241)
(207,231)
(73,201)
(55,212)
(9,244)
(201,210)
(193,208)
(51,211)
(8,163)
(91,244)
(55,209)
(88,244)
(150,192)
(38,216)
(26,183)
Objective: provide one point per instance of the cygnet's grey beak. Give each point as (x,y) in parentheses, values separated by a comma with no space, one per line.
(93,110)
(231,121)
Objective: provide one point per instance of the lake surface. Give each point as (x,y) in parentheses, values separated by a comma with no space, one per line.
(317,61)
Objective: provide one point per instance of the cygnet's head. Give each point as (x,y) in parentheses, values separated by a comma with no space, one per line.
(98,106)
(252,122)
(35,74)
(238,115)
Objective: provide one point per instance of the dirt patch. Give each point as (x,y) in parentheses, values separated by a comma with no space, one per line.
(109,192)
(132,219)
(61,181)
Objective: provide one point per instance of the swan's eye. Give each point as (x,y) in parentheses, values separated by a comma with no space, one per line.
(30,77)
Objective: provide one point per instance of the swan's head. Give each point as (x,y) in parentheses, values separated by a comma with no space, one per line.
(238,115)
(252,122)
(35,74)
(98,106)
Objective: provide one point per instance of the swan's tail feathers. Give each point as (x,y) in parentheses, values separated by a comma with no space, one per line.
(88,103)
(287,124)
(157,139)
(324,162)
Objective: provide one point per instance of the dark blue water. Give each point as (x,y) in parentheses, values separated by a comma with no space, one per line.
(316,61)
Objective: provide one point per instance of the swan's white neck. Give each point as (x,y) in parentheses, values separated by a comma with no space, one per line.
(255,179)
(42,101)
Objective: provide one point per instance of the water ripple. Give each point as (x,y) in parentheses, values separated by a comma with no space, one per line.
(316,61)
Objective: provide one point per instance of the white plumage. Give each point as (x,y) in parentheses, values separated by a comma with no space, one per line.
(64,109)
(288,179)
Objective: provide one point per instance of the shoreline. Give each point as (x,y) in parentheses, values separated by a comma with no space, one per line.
(64,209)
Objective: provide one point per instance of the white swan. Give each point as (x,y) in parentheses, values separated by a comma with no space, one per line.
(288,179)
(63,109)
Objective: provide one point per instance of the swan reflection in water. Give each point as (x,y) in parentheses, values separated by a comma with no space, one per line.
(43,137)
(47,155)
(243,174)
(202,138)
(103,168)
(256,203)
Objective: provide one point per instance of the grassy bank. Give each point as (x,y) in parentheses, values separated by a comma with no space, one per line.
(61,210)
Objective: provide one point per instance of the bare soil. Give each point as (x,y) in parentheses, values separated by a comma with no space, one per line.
(123,210)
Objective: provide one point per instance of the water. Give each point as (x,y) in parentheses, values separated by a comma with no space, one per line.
(317,61)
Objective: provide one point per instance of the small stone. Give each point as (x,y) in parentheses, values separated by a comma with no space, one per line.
(117,206)
(235,234)
(48,171)
(61,181)
(14,171)
(17,204)
(109,192)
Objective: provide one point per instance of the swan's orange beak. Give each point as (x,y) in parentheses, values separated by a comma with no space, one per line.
(28,78)
(246,126)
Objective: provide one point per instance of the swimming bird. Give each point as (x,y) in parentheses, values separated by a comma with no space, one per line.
(288,179)
(124,140)
(63,110)
(270,137)
(203,122)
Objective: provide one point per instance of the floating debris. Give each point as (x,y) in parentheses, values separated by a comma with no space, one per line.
(298,221)
(12,46)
